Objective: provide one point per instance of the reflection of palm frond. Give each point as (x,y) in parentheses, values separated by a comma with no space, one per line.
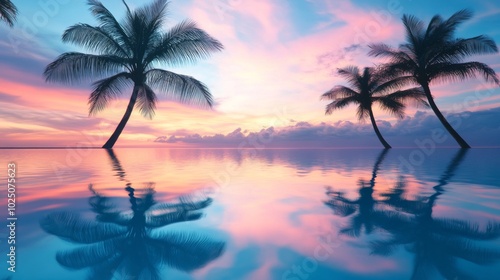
(170,218)
(354,227)
(466,229)
(72,227)
(467,250)
(188,203)
(340,208)
(89,255)
(391,221)
(185,252)
(385,247)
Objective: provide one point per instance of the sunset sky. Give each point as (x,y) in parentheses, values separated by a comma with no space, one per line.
(279,57)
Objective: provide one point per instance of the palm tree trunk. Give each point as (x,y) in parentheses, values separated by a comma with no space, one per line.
(379,135)
(112,140)
(443,120)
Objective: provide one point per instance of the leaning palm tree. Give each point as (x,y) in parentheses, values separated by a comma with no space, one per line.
(125,54)
(368,88)
(8,12)
(434,54)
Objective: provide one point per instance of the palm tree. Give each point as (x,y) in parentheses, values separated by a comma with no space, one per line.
(8,12)
(434,54)
(368,88)
(125,55)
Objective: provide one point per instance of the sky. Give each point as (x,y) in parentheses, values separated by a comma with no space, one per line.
(279,57)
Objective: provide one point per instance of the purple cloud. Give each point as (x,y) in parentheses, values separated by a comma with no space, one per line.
(481,128)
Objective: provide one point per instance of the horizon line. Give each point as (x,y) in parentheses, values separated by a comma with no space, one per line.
(234,148)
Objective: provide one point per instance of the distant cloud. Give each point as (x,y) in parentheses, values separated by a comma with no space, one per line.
(8,98)
(352,47)
(480,128)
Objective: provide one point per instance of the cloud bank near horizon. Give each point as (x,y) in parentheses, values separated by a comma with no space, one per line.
(480,129)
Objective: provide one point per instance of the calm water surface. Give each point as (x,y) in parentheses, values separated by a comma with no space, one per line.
(268,214)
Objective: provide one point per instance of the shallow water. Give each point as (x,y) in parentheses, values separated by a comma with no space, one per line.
(267,214)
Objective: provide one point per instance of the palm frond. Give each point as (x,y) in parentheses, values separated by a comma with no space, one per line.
(94,39)
(401,62)
(129,12)
(451,72)
(383,50)
(74,67)
(414,30)
(351,74)
(146,101)
(184,43)
(185,88)
(456,50)
(451,24)
(107,89)
(8,12)
(340,103)
(154,13)
(392,84)
(143,27)
(414,96)
(338,92)
(434,23)
(363,112)
(110,25)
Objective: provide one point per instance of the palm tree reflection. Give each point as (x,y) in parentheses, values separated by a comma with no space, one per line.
(364,205)
(129,244)
(437,243)
(117,166)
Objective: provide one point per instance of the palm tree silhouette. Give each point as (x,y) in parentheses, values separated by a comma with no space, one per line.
(367,88)
(8,12)
(126,54)
(125,244)
(434,54)
(364,205)
(437,243)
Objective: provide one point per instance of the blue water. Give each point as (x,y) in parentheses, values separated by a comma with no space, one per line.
(253,214)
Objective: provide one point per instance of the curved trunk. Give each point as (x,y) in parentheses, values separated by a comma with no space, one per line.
(374,124)
(112,140)
(443,120)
